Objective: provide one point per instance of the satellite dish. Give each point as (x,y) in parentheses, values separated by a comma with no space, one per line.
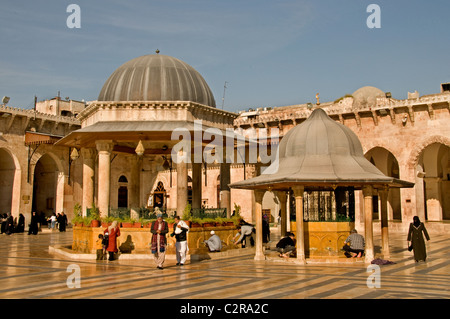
(5,99)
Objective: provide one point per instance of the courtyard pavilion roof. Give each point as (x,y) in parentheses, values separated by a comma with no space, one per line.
(320,154)
(123,132)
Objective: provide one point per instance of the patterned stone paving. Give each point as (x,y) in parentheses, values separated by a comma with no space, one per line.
(29,271)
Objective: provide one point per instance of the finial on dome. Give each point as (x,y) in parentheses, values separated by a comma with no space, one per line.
(157,51)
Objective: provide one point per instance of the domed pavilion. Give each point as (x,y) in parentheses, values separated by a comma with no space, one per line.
(139,107)
(321,155)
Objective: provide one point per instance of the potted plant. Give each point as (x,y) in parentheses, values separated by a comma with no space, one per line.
(225,221)
(95,216)
(187,214)
(208,222)
(195,222)
(127,222)
(77,219)
(106,221)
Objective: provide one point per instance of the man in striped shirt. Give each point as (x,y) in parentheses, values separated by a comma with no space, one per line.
(354,245)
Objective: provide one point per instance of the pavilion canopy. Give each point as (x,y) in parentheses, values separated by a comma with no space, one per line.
(320,153)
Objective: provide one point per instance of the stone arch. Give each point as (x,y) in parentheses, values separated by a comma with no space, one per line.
(414,163)
(158,193)
(48,184)
(10,181)
(388,164)
(432,174)
(417,151)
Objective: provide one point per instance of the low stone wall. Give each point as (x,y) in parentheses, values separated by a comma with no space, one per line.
(324,239)
(137,240)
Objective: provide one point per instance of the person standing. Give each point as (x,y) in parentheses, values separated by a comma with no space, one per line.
(180,229)
(99,247)
(113,232)
(415,238)
(62,222)
(21,224)
(34,227)
(159,230)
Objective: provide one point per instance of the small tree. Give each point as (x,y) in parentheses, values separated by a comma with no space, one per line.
(187,212)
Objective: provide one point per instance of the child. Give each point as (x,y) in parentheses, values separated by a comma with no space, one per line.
(105,243)
(100,247)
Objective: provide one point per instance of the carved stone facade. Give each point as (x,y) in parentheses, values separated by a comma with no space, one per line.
(407,139)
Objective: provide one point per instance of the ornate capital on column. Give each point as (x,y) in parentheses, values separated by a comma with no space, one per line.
(104,146)
(259,194)
(298,190)
(367,191)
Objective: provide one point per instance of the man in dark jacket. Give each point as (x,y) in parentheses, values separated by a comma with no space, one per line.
(180,229)
(286,245)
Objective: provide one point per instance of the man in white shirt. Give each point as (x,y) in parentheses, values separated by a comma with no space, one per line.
(214,243)
(180,229)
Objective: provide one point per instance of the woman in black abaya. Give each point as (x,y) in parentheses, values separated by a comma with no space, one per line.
(34,227)
(415,237)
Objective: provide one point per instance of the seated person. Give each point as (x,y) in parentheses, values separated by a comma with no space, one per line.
(214,243)
(286,245)
(354,245)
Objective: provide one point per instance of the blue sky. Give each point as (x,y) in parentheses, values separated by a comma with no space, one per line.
(271,53)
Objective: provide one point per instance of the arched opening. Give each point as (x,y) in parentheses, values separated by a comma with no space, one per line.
(434,172)
(122,194)
(159,196)
(7,173)
(45,186)
(189,190)
(386,162)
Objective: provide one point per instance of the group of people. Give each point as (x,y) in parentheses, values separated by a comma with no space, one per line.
(11,225)
(107,242)
(57,221)
(354,245)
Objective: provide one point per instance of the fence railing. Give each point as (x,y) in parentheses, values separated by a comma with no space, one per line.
(209,212)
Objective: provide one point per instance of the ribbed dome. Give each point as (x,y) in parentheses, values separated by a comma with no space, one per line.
(321,148)
(156,77)
(320,151)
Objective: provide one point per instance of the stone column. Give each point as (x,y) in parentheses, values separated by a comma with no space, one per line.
(196,185)
(104,149)
(282,197)
(135,182)
(419,189)
(182,182)
(225,196)
(383,193)
(368,212)
(59,202)
(259,254)
(88,178)
(298,193)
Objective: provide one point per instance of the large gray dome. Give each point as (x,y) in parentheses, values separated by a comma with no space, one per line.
(156,77)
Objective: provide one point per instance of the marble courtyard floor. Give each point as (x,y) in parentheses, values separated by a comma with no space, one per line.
(29,271)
